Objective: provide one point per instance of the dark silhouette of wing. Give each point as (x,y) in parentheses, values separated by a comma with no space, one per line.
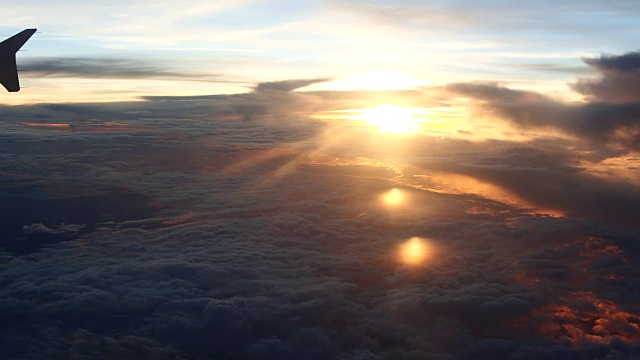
(8,50)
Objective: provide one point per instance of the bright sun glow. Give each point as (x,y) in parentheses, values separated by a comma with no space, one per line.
(414,251)
(376,80)
(392,119)
(393,197)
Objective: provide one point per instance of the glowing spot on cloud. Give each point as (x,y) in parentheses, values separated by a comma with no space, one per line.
(414,251)
(393,197)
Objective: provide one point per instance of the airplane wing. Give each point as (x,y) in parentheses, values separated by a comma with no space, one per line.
(8,67)
(9,74)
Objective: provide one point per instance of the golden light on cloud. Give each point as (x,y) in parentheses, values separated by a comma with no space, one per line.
(450,183)
(414,251)
(394,197)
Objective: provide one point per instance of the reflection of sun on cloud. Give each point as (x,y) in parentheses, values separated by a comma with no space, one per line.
(414,251)
(394,197)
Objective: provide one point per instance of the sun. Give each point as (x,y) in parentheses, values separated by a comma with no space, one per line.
(392,119)
(386,118)
(374,80)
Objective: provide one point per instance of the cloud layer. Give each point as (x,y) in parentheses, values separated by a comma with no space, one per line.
(239,227)
(117,68)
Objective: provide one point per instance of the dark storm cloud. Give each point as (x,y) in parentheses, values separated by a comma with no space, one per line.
(619,81)
(288,85)
(107,68)
(629,62)
(600,123)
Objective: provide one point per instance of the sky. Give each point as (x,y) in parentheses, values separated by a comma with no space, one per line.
(322,180)
(200,47)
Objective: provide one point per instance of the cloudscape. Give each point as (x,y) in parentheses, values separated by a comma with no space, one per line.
(322,180)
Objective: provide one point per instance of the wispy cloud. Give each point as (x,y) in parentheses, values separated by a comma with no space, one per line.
(287,85)
(118,68)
